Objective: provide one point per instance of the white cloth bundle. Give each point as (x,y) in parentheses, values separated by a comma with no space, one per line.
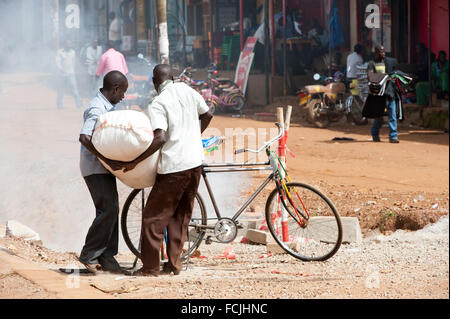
(123,136)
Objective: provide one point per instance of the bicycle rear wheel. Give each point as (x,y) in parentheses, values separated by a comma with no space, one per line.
(320,235)
(131,223)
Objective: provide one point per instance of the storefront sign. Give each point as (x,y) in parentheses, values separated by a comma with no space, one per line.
(245,63)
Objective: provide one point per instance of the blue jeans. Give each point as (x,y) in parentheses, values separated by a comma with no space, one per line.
(392,122)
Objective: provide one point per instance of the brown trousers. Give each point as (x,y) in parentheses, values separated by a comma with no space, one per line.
(170,206)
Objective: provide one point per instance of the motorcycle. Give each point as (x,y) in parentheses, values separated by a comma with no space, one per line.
(141,90)
(329,102)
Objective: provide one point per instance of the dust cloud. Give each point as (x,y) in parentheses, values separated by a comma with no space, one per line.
(40,181)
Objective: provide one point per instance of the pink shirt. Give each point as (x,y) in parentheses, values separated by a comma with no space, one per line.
(112,60)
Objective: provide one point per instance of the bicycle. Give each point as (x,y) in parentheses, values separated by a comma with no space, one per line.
(219,94)
(301,219)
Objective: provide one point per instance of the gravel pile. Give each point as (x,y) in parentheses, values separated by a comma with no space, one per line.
(402,265)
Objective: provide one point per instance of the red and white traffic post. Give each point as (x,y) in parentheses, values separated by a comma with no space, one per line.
(282,155)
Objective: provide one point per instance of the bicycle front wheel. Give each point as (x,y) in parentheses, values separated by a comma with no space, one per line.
(131,223)
(311,228)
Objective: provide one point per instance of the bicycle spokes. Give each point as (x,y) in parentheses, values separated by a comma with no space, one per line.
(319,237)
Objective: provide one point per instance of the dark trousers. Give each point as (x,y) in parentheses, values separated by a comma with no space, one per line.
(103,236)
(169,205)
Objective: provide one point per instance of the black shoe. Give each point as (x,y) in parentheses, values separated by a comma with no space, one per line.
(394,141)
(167,270)
(142,273)
(376,138)
(92,268)
(110,264)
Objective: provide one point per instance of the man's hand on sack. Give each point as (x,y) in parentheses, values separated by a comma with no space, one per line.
(116,165)
(130,166)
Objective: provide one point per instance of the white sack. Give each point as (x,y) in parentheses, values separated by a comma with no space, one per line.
(123,136)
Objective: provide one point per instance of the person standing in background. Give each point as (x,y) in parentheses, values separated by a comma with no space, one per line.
(111,60)
(65,63)
(354,60)
(115,30)
(385,65)
(93,54)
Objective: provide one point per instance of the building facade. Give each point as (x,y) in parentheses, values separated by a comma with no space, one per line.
(196,27)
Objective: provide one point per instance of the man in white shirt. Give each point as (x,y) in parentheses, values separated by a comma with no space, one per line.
(115,30)
(93,54)
(178,115)
(65,63)
(353,60)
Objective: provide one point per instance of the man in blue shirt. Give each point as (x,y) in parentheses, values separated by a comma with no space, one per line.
(102,239)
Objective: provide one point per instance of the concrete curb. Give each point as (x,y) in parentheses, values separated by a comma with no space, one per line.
(49,280)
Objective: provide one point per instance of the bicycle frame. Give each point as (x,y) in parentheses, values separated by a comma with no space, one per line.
(276,220)
(222,101)
(252,167)
(244,167)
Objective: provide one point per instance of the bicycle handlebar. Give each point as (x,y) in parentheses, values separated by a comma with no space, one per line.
(265,145)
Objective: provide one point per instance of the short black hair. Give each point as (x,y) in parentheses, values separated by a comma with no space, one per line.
(114,78)
(379,47)
(163,72)
(358,48)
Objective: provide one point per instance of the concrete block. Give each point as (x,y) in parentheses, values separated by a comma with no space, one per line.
(258,236)
(16,229)
(324,229)
(273,247)
(352,230)
(2,231)
(247,224)
(252,223)
(320,229)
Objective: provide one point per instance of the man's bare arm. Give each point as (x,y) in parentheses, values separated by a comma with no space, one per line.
(205,119)
(86,141)
(159,140)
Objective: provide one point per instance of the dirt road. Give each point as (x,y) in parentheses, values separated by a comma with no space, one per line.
(41,187)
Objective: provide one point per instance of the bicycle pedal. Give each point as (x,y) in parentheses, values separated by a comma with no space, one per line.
(208,240)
